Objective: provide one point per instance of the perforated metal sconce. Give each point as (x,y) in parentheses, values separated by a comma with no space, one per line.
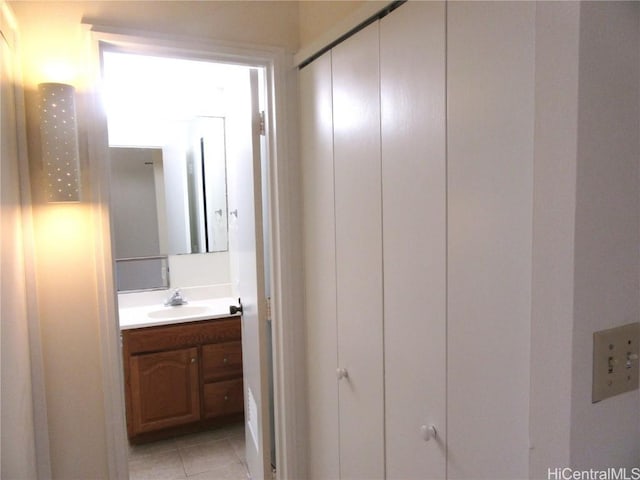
(59,137)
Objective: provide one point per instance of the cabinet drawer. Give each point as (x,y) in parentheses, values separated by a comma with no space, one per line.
(223,398)
(221,360)
(181,335)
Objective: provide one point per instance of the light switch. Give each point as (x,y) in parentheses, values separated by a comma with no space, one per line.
(615,361)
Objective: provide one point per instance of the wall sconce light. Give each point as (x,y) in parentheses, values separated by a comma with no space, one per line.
(59,137)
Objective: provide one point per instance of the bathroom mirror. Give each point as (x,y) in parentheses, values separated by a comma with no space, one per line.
(207,186)
(167,201)
(172,199)
(166,116)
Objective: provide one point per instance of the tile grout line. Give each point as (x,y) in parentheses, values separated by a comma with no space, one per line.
(230,438)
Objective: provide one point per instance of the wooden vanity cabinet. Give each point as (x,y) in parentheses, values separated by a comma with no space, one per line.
(165,389)
(182,377)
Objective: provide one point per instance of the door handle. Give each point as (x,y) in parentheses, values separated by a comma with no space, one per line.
(233,309)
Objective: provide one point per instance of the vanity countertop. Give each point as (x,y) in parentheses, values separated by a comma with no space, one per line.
(158,314)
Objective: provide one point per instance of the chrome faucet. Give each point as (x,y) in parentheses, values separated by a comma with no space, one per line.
(175,299)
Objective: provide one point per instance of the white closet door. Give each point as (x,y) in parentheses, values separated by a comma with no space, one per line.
(316,127)
(490,72)
(412,72)
(356,110)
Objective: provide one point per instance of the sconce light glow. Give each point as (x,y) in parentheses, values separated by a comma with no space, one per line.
(59,137)
(58,71)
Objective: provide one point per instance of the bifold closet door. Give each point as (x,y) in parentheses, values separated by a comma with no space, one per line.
(358,222)
(412,79)
(316,113)
(490,131)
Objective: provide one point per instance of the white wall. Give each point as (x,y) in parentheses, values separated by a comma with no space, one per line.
(586,231)
(606,226)
(317,17)
(198,269)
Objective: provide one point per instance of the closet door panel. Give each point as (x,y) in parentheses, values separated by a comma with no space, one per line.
(490,89)
(316,117)
(412,73)
(356,109)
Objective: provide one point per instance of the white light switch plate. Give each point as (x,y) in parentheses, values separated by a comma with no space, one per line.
(615,361)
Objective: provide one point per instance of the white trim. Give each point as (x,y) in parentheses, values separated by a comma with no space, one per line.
(286,277)
(112,376)
(275,63)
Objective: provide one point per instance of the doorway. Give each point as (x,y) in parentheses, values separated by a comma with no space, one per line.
(184,111)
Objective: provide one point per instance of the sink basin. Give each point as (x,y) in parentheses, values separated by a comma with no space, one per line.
(182,311)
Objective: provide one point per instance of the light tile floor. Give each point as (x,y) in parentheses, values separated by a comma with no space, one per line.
(211,455)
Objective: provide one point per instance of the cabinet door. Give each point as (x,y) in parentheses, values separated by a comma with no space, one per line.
(358,217)
(164,389)
(412,79)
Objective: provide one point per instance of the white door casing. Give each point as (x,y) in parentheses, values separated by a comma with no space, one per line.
(283,246)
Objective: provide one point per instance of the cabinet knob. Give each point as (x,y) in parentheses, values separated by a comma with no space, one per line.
(193,360)
(342,373)
(225,361)
(226,398)
(428,432)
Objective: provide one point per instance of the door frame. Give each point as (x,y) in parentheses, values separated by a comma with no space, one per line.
(286,303)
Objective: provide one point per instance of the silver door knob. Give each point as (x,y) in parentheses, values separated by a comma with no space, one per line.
(342,373)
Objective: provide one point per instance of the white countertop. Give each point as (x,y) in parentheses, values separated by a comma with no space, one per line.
(157,314)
